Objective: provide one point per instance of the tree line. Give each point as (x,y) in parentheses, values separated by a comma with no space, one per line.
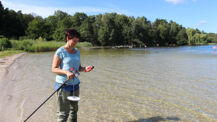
(109,29)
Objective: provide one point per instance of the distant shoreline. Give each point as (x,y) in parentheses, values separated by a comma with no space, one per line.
(7,62)
(129,47)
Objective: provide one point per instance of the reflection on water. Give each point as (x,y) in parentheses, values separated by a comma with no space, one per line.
(129,85)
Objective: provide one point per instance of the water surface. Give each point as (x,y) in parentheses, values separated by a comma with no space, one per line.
(127,85)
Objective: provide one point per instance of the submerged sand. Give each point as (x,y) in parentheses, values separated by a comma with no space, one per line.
(7,61)
(125,86)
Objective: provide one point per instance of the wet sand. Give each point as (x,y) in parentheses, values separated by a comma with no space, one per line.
(7,61)
(6,97)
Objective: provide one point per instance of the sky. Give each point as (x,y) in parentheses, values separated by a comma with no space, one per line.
(199,14)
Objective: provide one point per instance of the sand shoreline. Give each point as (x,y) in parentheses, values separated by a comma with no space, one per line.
(8,61)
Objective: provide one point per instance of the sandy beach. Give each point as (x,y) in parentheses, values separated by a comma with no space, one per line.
(6,98)
(7,61)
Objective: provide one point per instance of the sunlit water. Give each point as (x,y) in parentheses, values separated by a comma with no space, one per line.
(127,85)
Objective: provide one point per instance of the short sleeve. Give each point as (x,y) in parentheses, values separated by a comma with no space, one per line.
(59,53)
(77,51)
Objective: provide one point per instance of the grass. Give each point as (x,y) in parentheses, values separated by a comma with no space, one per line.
(212,43)
(42,46)
(83,44)
(9,53)
(29,45)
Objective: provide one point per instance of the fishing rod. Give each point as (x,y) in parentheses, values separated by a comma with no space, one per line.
(45,101)
(72,98)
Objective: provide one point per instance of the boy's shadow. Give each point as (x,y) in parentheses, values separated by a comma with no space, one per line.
(157,119)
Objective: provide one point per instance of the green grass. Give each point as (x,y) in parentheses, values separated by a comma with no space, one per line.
(9,53)
(83,44)
(212,43)
(42,46)
(199,43)
(45,46)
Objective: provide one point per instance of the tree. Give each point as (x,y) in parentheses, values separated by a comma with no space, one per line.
(107,34)
(190,32)
(86,29)
(77,20)
(141,27)
(27,18)
(1,18)
(107,29)
(182,38)
(174,29)
(160,30)
(4,43)
(63,22)
(38,28)
(212,38)
(96,26)
(123,27)
(52,22)
(12,23)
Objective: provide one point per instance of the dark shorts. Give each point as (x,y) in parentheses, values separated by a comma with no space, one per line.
(67,87)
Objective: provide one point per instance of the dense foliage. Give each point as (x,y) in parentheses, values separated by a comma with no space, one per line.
(4,43)
(109,29)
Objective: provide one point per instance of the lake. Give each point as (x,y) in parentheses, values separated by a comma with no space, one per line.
(127,85)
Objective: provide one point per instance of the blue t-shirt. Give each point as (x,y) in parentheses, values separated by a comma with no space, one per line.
(67,62)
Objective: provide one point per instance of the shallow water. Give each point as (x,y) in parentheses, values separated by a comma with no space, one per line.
(127,85)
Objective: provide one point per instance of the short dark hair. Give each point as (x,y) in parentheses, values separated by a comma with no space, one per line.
(72,33)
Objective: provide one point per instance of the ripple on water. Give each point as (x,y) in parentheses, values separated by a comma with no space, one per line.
(157,84)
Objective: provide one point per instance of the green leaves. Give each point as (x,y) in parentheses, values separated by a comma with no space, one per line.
(4,43)
(196,37)
(109,29)
(38,28)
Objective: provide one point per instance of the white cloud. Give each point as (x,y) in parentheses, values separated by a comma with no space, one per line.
(175,1)
(47,11)
(201,23)
(179,1)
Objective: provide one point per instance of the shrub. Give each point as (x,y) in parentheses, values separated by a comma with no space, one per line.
(42,46)
(41,39)
(83,44)
(22,45)
(4,43)
(23,38)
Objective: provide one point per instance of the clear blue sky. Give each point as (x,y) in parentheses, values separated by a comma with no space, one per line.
(199,14)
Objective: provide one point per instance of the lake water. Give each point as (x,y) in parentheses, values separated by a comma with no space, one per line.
(127,85)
